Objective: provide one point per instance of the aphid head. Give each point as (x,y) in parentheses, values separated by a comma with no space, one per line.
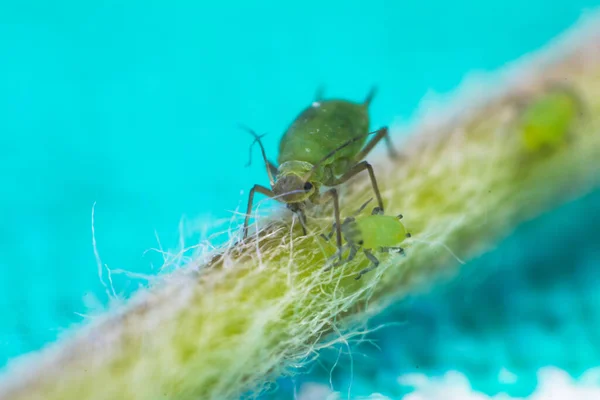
(351,232)
(291,188)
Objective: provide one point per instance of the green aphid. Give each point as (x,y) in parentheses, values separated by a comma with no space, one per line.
(375,232)
(324,146)
(546,122)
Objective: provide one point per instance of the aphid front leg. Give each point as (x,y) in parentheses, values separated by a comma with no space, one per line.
(302,218)
(353,252)
(356,169)
(259,189)
(382,133)
(374,264)
(330,234)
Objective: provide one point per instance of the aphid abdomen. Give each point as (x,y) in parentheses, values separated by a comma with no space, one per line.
(381,231)
(323,127)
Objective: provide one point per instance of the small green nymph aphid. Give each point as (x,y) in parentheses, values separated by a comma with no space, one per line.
(546,121)
(375,232)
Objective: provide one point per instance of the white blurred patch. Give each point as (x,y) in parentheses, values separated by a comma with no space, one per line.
(554,384)
(316,391)
(506,377)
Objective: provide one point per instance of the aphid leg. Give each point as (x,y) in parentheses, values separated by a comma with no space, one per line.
(377,211)
(259,189)
(339,262)
(382,133)
(330,234)
(374,264)
(361,166)
(333,194)
(302,218)
(353,251)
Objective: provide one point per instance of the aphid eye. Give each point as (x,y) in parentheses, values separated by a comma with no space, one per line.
(361,242)
(308,186)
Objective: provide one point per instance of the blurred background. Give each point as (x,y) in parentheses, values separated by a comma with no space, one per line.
(134,106)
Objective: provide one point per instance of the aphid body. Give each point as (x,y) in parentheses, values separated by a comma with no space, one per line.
(324,146)
(546,121)
(320,129)
(375,232)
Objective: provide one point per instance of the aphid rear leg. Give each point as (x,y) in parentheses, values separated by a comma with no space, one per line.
(382,133)
(356,169)
(259,189)
(374,264)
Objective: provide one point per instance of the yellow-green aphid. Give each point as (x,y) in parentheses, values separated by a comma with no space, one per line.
(546,121)
(375,232)
(324,146)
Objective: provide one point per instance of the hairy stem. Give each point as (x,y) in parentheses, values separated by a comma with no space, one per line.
(462,183)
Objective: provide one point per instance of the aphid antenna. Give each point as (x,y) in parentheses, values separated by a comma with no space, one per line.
(257,139)
(370,96)
(357,212)
(287,193)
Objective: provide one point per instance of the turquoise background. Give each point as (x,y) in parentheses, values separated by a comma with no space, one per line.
(134,105)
